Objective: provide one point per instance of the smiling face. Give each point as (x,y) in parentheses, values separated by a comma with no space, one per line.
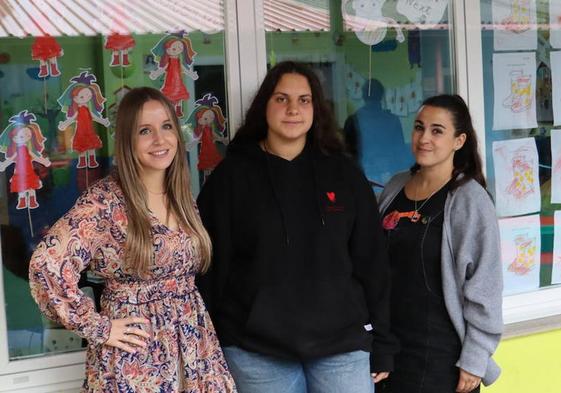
(290,111)
(83,97)
(156,139)
(434,141)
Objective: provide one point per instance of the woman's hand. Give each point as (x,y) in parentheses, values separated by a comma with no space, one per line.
(467,382)
(377,377)
(124,336)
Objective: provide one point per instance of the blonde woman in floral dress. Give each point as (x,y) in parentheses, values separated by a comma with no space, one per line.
(139,229)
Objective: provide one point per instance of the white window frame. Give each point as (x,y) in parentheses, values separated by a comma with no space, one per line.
(246,66)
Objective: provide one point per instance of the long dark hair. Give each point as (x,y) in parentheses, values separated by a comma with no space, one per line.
(467,161)
(323,133)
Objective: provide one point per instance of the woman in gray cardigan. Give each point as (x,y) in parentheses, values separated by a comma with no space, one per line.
(443,241)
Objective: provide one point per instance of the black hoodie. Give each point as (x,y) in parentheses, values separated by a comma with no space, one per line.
(299,265)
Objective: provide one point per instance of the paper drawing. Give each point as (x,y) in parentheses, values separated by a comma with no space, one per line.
(520,253)
(517,187)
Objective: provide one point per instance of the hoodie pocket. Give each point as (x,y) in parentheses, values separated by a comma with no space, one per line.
(288,312)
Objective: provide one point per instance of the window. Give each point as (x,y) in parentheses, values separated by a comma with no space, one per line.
(377,61)
(64,66)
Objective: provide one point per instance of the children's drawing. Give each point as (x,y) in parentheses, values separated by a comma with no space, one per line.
(415,96)
(555,59)
(556,268)
(391,100)
(46,50)
(525,259)
(521,89)
(208,126)
(22,143)
(424,13)
(516,177)
(353,83)
(520,16)
(556,166)
(374,24)
(555,24)
(514,81)
(175,56)
(515,25)
(402,96)
(83,103)
(520,253)
(120,45)
(522,183)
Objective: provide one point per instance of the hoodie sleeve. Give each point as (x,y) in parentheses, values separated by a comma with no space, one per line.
(371,268)
(475,240)
(214,207)
(54,270)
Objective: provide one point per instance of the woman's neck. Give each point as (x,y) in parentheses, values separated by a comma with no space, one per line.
(427,178)
(287,150)
(154,183)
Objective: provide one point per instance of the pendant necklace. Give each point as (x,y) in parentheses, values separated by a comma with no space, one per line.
(390,221)
(416,215)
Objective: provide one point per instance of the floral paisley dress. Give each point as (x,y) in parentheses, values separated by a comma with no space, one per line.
(183,354)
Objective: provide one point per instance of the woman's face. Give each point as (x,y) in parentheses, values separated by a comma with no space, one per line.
(433,141)
(22,136)
(156,138)
(290,111)
(175,48)
(83,97)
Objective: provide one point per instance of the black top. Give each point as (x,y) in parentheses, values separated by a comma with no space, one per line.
(299,264)
(430,344)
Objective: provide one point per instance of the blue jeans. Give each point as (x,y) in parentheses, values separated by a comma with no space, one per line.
(343,373)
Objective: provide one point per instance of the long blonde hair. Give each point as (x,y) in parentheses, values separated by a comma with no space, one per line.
(139,250)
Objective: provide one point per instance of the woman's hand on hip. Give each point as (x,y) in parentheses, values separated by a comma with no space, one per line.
(125,337)
(467,382)
(377,377)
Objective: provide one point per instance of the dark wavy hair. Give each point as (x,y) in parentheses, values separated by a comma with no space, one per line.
(467,161)
(323,133)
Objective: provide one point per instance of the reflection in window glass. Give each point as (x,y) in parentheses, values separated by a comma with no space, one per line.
(377,61)
(64,67)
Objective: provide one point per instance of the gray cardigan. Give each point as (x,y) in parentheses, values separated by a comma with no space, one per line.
(471,272)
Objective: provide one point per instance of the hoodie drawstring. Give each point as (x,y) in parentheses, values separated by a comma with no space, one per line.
(277,201)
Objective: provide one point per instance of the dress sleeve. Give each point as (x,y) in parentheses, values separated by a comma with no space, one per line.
(371,268)
(56,264)
(476,245)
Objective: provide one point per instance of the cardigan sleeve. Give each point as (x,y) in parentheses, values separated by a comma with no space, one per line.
(476,243)
(55,268)
(371,268)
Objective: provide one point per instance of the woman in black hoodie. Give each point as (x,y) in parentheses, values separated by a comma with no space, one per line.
(299,282)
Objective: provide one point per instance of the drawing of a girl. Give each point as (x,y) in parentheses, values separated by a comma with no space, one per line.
(83,103)
(22,143)
(46,49)
(208,125)
(175,54)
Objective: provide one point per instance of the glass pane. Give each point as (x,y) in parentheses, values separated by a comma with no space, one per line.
(519,40)
(64,66)
(377,61)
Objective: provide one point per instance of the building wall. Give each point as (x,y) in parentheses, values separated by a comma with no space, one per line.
(530,364)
